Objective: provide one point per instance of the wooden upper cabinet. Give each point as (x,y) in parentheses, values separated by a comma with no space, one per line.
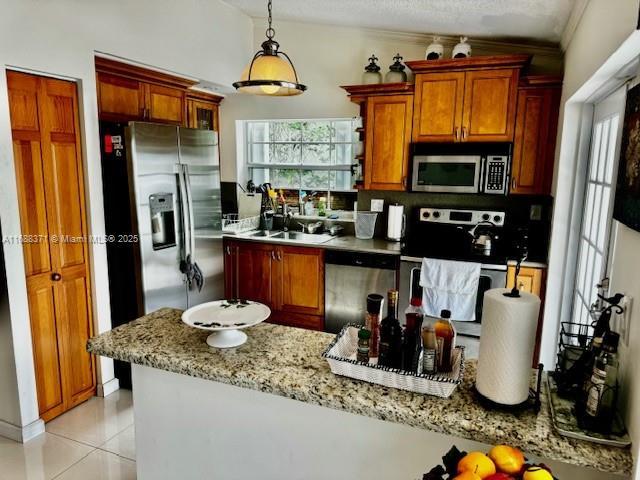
(166,104)
(203,111)
(120,97)
(128,92)
(466,100)
(438,107)
(388,139)
(535,135)
(489,105)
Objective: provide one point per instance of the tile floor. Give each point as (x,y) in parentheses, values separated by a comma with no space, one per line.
(93,441)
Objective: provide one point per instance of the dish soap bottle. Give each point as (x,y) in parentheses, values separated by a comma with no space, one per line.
(390,350)
(445,340)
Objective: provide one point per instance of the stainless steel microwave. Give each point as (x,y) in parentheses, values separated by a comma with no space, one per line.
(461,168)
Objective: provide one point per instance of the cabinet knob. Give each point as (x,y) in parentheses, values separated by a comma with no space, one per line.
(56,277)
(456,133)
(514,183)
(464,134)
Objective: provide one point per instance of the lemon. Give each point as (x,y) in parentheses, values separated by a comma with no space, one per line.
(537,473)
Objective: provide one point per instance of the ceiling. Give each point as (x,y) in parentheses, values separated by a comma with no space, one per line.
(538,21)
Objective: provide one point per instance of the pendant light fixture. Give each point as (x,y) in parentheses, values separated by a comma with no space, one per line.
(271,71)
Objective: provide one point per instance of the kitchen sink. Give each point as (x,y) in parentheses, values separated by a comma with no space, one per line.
(260,233)
(302,237)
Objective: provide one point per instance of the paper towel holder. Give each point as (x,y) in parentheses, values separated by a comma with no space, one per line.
(531,403)
(515,293)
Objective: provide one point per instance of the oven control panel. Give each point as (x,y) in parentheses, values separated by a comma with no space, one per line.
(461,217)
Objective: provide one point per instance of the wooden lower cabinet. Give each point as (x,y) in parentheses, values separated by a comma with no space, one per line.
(289,279)
(531,280)
(51,201)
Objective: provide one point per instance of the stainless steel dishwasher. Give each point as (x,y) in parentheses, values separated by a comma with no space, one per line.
(349,278)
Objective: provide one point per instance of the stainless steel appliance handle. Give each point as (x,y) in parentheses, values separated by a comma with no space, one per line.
(192,233)
(184,214)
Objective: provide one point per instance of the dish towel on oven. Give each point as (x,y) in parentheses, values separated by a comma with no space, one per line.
(450,285)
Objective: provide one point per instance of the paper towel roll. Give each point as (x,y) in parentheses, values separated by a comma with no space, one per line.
(395,222)
(506,346)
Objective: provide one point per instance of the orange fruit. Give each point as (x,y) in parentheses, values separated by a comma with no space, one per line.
(507,459)
(537,473)
(467,476)
(478,463)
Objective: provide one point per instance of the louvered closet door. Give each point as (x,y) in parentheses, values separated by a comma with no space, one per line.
(48,162)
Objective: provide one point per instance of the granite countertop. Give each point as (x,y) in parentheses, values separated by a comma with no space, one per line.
(346,242)
(287,361)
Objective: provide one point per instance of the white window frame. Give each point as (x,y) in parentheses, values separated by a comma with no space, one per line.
(592,258)
(248,164)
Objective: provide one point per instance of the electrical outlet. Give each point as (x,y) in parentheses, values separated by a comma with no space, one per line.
(377,205)
(622,322)
(535,213)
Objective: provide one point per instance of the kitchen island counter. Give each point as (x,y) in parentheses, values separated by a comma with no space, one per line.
(287,362)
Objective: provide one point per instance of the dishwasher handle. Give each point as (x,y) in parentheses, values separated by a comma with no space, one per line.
(362,259)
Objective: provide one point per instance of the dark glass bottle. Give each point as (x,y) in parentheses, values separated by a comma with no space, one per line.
(412,338)
(390,351)
(446,340)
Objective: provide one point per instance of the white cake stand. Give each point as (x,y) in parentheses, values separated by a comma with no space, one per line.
(225,319)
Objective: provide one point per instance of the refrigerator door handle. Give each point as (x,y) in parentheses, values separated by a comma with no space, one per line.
(192,233)
(184,216)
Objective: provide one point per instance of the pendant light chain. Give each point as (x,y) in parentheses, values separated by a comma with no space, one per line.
(270,31)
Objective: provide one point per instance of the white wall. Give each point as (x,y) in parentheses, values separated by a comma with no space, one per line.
(205,39)
(326,57)
(590,59)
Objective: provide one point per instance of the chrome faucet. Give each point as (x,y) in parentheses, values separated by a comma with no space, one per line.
(287,216)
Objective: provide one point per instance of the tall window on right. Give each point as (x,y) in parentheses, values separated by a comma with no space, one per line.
(593,250)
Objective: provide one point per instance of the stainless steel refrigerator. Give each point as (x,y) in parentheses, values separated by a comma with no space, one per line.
(174,176)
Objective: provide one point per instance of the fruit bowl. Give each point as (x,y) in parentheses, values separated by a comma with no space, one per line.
(503,462)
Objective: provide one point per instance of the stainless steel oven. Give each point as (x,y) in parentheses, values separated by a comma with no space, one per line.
(461,168)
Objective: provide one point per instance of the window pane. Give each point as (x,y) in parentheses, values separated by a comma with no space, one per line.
(595,279)
(288,153)
(613,135)
(343,154)
(582,266)
(259,175)
(284,178)
(318,131)
(604,217)
(340,180)
(595,152)
(588,277)
(588,213)
(315,179)
(604,150)
(344,131)
(597,208)
(285,131)
(316,154)
(258,131)
(259,153)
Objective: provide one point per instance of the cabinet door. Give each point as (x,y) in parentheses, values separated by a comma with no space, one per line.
(255,273)
(388,139)
(230,269)
(535,140)
(120,98)
(489,105)
(300,280)
(531,280)
(202,115)
(166,104)
(438,107)
(49,174)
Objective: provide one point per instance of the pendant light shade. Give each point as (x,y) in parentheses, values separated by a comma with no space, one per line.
(271,71)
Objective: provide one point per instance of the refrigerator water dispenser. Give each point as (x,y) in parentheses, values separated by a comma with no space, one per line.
(163,232)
